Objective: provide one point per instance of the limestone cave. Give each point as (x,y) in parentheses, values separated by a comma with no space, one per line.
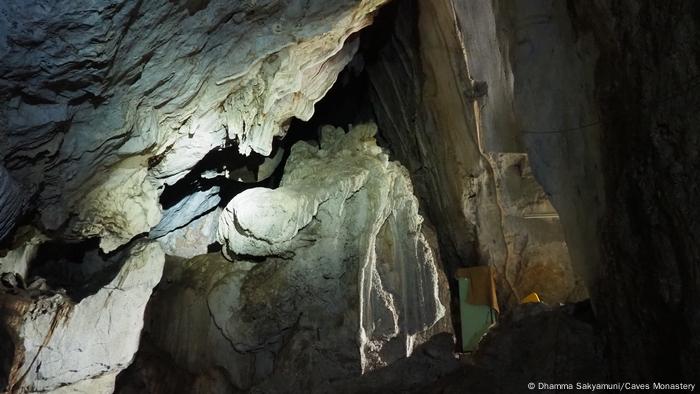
(349,196)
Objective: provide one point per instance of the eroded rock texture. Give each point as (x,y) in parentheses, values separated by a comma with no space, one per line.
(77,342)
(360,211)
(107,101)
(11,202)
(339,280)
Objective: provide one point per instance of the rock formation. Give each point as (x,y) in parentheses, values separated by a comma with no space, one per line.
(11,202)
(360,216)
(103,110)
(62,342)
(468,167)
(339,279)
(598,96)
(554,141)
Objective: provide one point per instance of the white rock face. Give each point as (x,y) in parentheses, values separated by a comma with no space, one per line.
(180,214)
(358,221)
(124,205)
(338,279)
(105,101)
(193,239)
(82,345)
(25,246)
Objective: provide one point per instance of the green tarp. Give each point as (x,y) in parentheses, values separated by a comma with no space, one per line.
(477,304)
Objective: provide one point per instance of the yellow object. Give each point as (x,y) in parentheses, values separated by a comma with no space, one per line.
(532,297)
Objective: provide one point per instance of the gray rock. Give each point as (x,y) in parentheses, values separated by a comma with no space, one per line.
(105,101)
(194,238)
(59,342)
(354,237)
(463,148)
(11,202)
(343,281)
(189,208)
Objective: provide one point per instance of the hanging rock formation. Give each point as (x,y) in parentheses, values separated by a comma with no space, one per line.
(340,279)
(102,109)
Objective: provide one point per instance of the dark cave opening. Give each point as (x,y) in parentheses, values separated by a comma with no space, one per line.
(7,350)
(79,269)
(210,172)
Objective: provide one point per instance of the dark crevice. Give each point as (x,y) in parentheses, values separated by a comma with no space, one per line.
(214,247)
(7,352)
(209,172)
(79,268)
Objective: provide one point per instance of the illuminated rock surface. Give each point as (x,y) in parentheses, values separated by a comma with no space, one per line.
(344,280)
(553,141)
(102,109)
(360,219)
(60,340)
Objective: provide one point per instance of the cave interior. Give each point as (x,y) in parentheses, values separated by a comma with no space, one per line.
(407,196)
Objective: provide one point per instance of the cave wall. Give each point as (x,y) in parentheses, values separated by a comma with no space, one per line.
(597,97)
(107,103)
(325,280)
(602,92)
(431,89)
(649,282)
(551,140)
(101,110)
